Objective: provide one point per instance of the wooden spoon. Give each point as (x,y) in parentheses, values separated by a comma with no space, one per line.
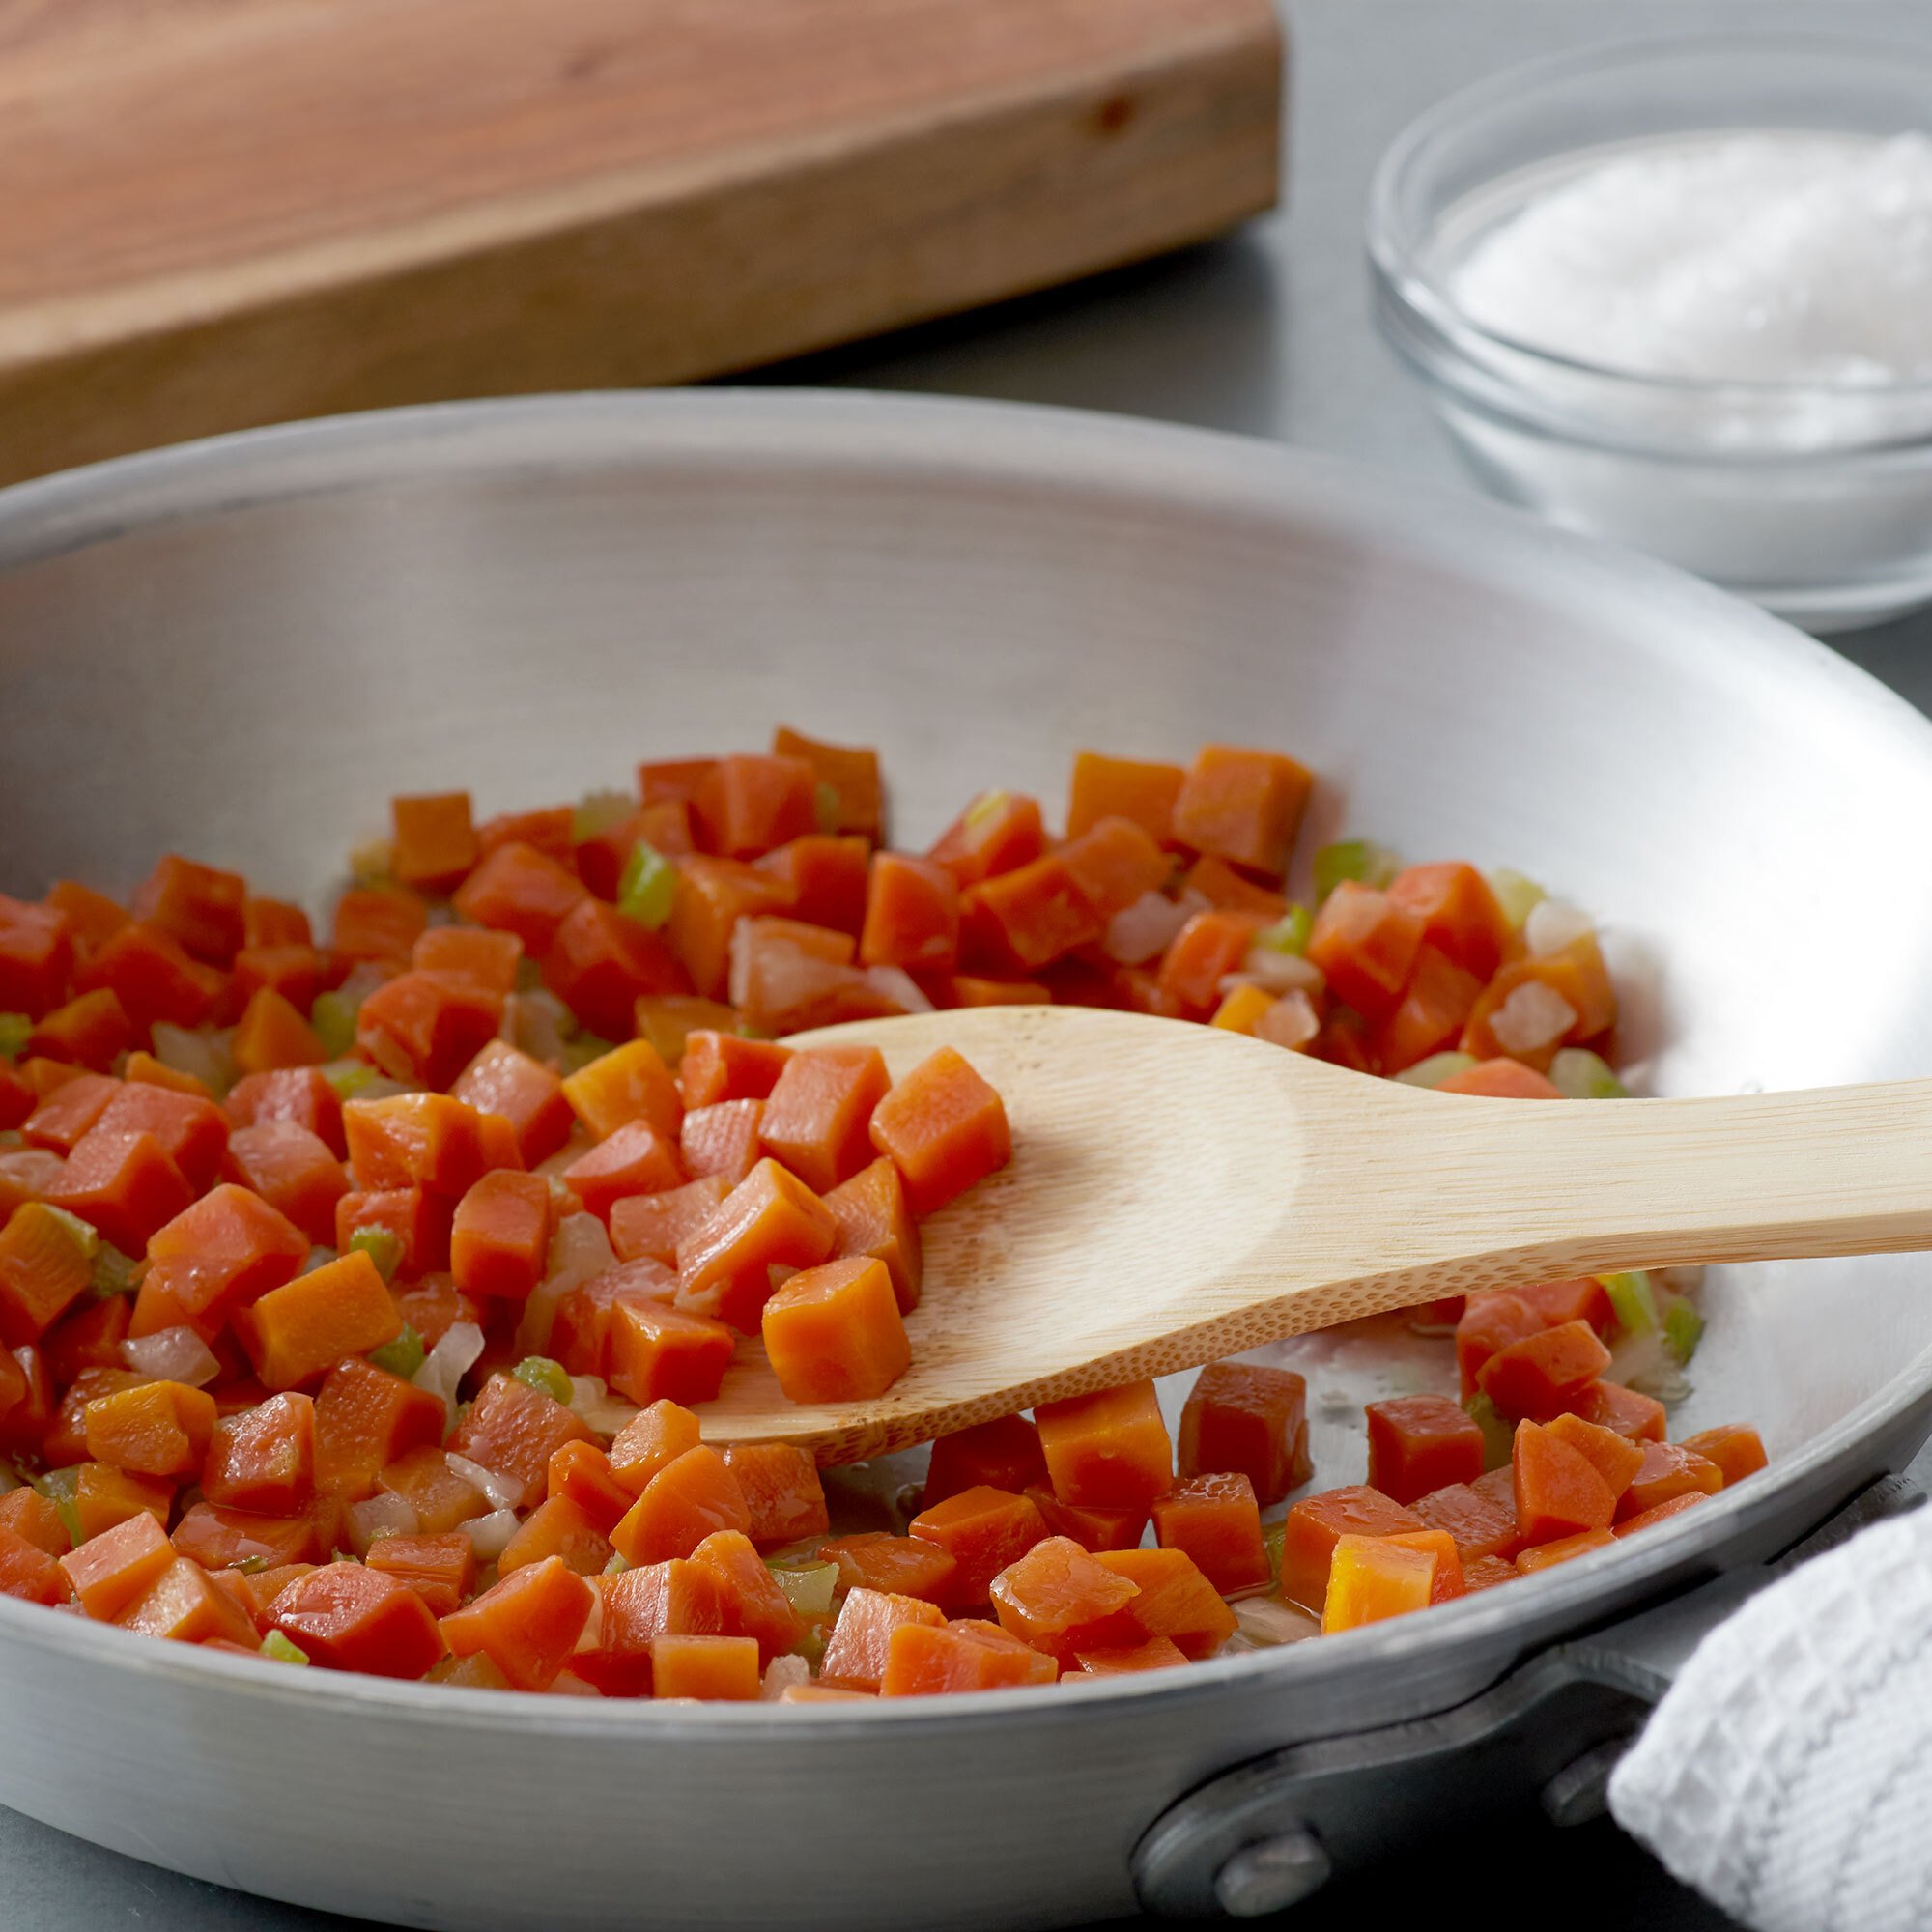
(1178,1193)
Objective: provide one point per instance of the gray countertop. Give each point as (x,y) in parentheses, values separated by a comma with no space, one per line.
(1266,333)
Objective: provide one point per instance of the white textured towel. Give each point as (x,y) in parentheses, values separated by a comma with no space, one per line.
(1787,1775)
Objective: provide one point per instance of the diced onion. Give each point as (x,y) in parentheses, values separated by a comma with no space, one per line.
(490,1535)
(782,1674)
(367,1522)
(895,982)
(449,1361)
(591,1635)
(1645,1362)
(1290,1022)
(204,1055)
(1551,925)
(1268,1620)
(499,1491)
(172,1355)
(538,1024)
(1280,972)
(1531,1018)
(1143,928)
(1435,1070)
(596,1407)
(580,1251)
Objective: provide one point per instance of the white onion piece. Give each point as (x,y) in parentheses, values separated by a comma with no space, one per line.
(1643,1361)
(367,1522)
(1143,928)
(538,1024)
(499,1491)
(205,1055)
(1290,1022)
(490,1535)
(580,1251)
(1268,1620)
(449,1361)
(1531,1018)
(895,982)
(1282,972)
(596,1407)
(1551,925)
(591,1635)
(781,1674)
(172,1355)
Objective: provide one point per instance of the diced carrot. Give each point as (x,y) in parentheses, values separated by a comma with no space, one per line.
(649,1226)
(92,918)
(1315,1524)
(1110,1447)
(442,1570)
(719,1067)
(105,1495)
(484,961)
(435,843)
(263,1459)
(29,1573)
(1105,788)
(601,963)
(1092,1526)
(861,1641)
(548,830)
(582,1320)
(782,1491)
(65,1437)
(71,1111)
(186,1604)
(298,1093)
(670,1020)
(298,973)
(943,1127)
(193,1133)
(347,1616)
(1659,1511)
(1581,1298)
(124,1186)
(45,1264)
(629,1084)
(678,1598)
(421,1222)
(414,1140)
(160,1428)
(960,1656)
(872,1218)
(1640,1417)
(292,1171)
(714,1669)
(1480,1524)
(1484,1573)
(515,1429)
(518,888)
(1004,1454)
(581,1471)
(1251,1419)
(24,1424)
(912,914)
(713,895)
(1421,1442)
(850,772)
(659,1354)
(833,1333)
(503,1081)
(440,1498)
(1536,1376)
(1017,921)
(1489,1324)
(1225,889)
(1559,1490)
(1372,1578)
(686,1500)
(1057,1597)
(379,923)
(1154,1652)
(274,923)
(983,1529)
(1217,1522)
(819,1110)
(1243,806)
(115,1570)
(499,1239)
(636,1159)
(722,1139)
(18,1099)
(769,1220)
(1543,1555)
(1116,863)
(1460,914)
(754,1604)
(826,878)
(1210,946)
(1737,1451)
(1176,1599)
(560,1528)
(199,907)
(423,1027)
(1615,1458)
(1000,832)
(649,1441)
(1435,1005)
(27,1176)
(964,989)
(1367,945)
(297,1332)
(37,1519)
(894,1566)
(1668,1469)
(747,805)
(273,1034)
(1243,1008)
(90,1031)
(35,957)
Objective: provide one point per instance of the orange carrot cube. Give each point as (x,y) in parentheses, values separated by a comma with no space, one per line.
(982,1530)
(1558,1490)
(755,1604)
(1367,945)
(1640,1417)
(629,1082)
(747,805)
(292,1170)
(1458,912)
(299,1331)
(1615,1458)
(28,1573)
(833,1333)
(486,961)
(414,1140)
(1057,1597)
(1668,1469)
(1242,806)
(116,1569)
(519,889)
(421,1222)
(781,1491)
(440,1498)
(185,1603)
(1092,1526)
(1372,1578)
(944,1128)
(872,1216)
(1315,1524)
(826,878)
(197,906)
(347,1616)
(89,1031)
(123,1185)
(1736,1450)
(1537,1375)
(515,1429)
(1021,921)
(1110,1448)
(818,1116)
(1004,1454)
(377,922)
(264,1458)
(650,1440)
(442,1570)
(851,773)
(770,1219)
(912,914)
(861,1641)
(719,1067)
(500,1240)
(997,832)
(714,1669)
(1421,1442)
(1479,1523)
(435,843)
(1176,1599)
(561,1528)
(1210,946)
(722,1139)
(687,1500)
(158,1428)
(1543,1555)
(45,1267)
(892,1566)
(583,1472)
(960,1656)
(1660,1512)
(501,1080)
(1217,1522)
(713,895)
(1248,1419)
(420,1027)
(1105,788)
(654,1353)
(1154,1652)
(636,1159)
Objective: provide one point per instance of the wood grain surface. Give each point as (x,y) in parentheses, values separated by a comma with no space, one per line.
(222,212)
(1178,1193)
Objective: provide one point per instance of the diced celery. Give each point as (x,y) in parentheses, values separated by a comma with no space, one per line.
(539,1371)
(385,1250)
(1436,1069)
(14,1031)
(60,1487)
(986,806)
(251,1566)
(1516,894)
(1635,1304)
(1288,933)
(529,975)
(1272,1538)
(1498,1433)
(649,886)
(278,1647)
(810,1644)
(826,805)
(1361,860)
(1582,1075)
(402,1356)
(89,1241)
(580,1052)
(349,1077)
(333,1018)
(598,812)
(616,1565)
(807,1585)
(1683,1331)
(113,1272)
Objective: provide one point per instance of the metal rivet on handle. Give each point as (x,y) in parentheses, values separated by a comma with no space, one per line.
(1272,1875)
(1580,1791)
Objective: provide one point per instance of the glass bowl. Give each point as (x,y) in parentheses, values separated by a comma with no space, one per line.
(1812,500)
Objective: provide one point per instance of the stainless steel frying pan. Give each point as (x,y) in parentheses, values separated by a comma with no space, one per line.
(241,648)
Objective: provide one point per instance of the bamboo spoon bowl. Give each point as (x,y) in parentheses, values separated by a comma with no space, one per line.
(1179,1193)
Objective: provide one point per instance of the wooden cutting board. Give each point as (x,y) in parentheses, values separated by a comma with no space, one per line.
(222,212)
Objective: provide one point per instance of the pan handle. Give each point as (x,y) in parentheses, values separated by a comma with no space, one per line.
(1271,1832)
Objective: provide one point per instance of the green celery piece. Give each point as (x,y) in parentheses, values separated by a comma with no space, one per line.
(1498,1433)
(89,1241)
(598,813)
(1683,1331)
(60,1487)
(1436,1069)
(1361,860)
(385,1250)
(1635,1304)
(1288,933)
(14,1031)
(827,807)
(1582,1075)
(539,1371)
(808,1586)
(333,1018)
(1517,895)
(649,886)
(1272,1538)
(113,1272)
(402,1356)
(810,1644)
(579,1053)
(349,1077)
(251,1566)
(275,1645)
(616,1565)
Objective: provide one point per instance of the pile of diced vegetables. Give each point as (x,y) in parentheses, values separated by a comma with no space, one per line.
(359,1300)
